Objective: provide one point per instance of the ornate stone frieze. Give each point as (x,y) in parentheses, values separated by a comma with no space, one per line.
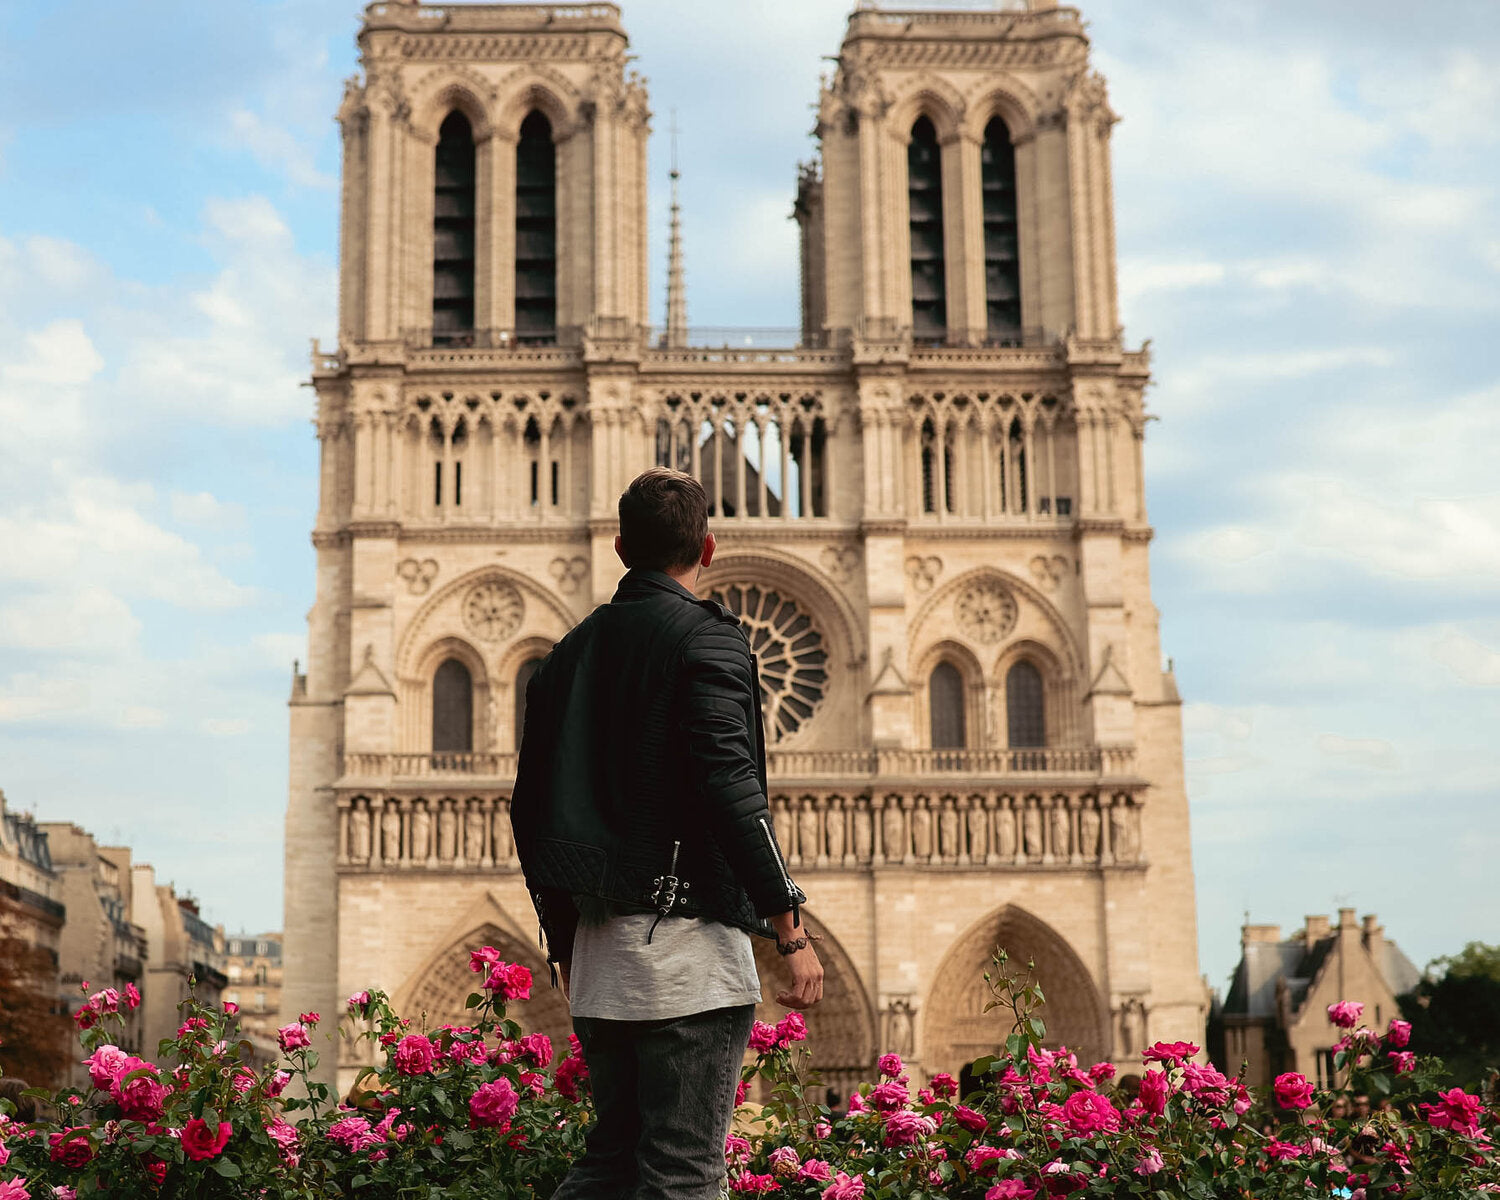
(986,611)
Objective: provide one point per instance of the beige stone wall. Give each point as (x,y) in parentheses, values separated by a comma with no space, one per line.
(967,503)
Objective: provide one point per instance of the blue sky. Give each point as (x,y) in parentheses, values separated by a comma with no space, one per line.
(1307,213)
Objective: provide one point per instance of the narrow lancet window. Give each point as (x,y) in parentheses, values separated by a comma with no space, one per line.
(1002,262)
(453,234)
(945,700)
(1025,715)
(924,191)
(452,708)
(536,232)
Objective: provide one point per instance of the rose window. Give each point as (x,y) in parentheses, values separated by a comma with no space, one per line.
(493,610)
(789,647)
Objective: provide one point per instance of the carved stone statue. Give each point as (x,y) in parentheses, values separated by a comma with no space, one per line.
(447,833)
(864,834)
(833,825)
(809,843)
(390,833)
(359,833)
(1031,826)
(893,832)
(1088,833)
(421,833)
(921,832)
(899,1021)
(979,830)
(1062,841)
(473,836)
(504,835)
(1005,833)
(1125,832)
(781,818)
(1132,1026)
(948,828)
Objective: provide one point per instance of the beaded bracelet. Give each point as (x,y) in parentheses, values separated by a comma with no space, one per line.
(801,943)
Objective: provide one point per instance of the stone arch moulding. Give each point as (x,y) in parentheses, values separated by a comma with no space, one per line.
(1066,649)
(447,89)
(841,1030)
(956,1029)
(546,615)
(807,584)
(507,701)
(936,99)
(1010,100)
(419,689)
(441,984)
(535,86)
(970,668)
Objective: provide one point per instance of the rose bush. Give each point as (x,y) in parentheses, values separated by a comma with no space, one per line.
(485,1110)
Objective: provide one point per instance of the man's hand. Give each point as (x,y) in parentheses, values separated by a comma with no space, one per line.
(807,971)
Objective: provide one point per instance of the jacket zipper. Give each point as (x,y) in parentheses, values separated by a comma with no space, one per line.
(791,889)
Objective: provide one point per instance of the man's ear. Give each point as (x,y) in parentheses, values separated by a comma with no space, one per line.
(709,546)
(620,550)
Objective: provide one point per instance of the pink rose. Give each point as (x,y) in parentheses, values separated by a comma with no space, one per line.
(1010,1189)
(283,1134)
(310,1018)
(736,1149)
(791,1028)
(890,1065)
(414,1055)
(784,1160)
(71,1147)
(1089,1112)
(816,1170)
(292,1037)
(1283,1150)
(1399,1033)
(844,1188)
(276,1084)
(481,960)
(1458,1111)
(509,981)
(741,1090)
(1102,1072)
(1155,1088)
(1150,1162)
(358,1001)
(13,1189)
(1404,1061)
(943,1084)
(493,1105)
(754,1184)
(1170,1051)
(132,996)
(1292,1090)
(857,1104)
(139,1093)
(104,1064)
(762,1037)
(974,1122)
(822,1130)
(1346,1013)
(889,1094)
(200,1142)
(354,1134)
(536,1047)
(904,1127)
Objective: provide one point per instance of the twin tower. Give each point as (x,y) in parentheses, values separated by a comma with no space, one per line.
(930,510)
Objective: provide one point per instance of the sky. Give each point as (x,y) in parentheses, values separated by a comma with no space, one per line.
(1308,209)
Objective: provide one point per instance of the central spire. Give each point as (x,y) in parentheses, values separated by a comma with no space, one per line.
(675,334)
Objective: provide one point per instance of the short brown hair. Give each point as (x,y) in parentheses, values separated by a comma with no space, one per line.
(663,520)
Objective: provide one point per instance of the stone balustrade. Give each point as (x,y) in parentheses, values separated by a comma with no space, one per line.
(990,829)
(1092,762)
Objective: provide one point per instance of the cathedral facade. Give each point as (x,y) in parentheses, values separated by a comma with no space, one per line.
(930,509)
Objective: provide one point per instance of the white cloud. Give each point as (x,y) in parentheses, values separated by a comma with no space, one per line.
(59,355)
(1138,277)
(1371,752)
(278,147)
(206,510)
(1468,658)
(89,621)
(225,727)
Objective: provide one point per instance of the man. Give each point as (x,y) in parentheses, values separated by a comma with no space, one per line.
(643,830)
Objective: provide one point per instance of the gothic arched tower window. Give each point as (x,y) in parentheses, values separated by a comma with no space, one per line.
(536,231)
(1002,262)
(945,705)
(453,233)
(1024,712)
(452,708)
(523,677)
(924,192)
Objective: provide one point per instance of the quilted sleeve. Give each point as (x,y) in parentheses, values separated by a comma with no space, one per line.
(718,703)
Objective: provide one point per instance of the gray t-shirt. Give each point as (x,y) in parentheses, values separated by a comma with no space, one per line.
(690,966)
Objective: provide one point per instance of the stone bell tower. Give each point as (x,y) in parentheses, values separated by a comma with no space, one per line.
(930,506)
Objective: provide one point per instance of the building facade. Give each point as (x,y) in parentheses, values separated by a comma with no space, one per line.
(252,965)
(31,893)
(100,945)
(184,954)
(930,508)
(1275,1017)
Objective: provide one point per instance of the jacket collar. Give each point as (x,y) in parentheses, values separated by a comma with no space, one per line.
(641,582)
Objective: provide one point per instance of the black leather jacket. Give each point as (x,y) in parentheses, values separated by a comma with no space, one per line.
(643,763)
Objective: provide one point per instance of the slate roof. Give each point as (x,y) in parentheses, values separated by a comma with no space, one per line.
(1252,992)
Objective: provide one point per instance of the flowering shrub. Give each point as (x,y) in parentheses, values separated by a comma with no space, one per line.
(483,1110)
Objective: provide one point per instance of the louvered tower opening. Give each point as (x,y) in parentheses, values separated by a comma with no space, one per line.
(536,232)
(453,234)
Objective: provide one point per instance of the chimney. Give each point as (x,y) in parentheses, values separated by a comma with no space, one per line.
(1346,918)
(1316,929)
(1374,935)
(1259,933)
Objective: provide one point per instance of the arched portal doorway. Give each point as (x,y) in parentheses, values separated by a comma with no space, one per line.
(841,1029)
(956,1028)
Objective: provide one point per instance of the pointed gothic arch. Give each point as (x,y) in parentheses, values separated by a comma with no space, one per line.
(956,1029)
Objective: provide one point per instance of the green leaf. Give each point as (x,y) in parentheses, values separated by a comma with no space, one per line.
(226,1168)
(1038,1027)
(474,1000)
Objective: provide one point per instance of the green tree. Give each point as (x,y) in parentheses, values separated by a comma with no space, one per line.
(1455,1013)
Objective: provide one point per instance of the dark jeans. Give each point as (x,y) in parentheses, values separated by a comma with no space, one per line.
(663,1099)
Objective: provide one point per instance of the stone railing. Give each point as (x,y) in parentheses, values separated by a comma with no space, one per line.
(1108,762)
(991,830)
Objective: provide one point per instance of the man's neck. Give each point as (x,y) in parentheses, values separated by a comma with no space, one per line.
(688,578)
